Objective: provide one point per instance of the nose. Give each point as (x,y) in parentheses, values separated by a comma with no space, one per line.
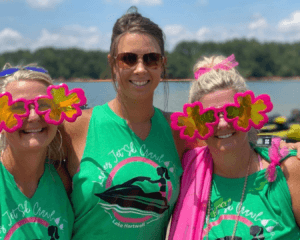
(222,123)
(140,67)
(33,116)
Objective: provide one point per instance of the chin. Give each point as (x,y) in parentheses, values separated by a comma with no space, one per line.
(224,146)
(35,147)
(227,148)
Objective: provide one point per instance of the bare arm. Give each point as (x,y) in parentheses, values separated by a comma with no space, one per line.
(182,145)
(74,137)
(291,168)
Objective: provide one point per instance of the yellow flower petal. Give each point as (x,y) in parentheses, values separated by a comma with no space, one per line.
(6,114)
(258,106)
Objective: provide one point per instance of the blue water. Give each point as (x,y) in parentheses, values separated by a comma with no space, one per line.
(285,95)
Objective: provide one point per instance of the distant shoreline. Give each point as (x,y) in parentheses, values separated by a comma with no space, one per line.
(252,79)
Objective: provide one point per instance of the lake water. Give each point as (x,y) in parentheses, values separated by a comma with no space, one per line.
(285,95)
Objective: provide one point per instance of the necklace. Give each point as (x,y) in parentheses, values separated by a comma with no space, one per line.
(240,205)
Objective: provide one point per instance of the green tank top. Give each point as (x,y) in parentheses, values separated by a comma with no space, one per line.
(47,215)
(125,188)
(266,212)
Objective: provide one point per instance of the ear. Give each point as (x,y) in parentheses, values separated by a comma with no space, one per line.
(165,60)
(110,61)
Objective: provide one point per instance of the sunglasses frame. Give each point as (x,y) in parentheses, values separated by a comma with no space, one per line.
(121,63)
(188,107)
(11,71)
(66,103)
(17,116)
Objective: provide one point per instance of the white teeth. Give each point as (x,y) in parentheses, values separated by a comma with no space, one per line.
(225,136)
(138,83)
(33,130)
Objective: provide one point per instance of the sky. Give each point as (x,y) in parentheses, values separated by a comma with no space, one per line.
(87,24)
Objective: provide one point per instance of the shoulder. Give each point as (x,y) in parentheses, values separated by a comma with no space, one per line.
(167,115)
(290,168)
(179,143)
(81,122)
(74,137)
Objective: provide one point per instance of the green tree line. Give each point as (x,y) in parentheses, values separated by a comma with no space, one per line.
(255,59)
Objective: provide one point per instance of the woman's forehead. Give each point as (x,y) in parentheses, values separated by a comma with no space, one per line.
(218,98)
(138,43)
(27,89)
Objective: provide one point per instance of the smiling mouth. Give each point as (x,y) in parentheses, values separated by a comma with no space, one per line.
(33,130)
(224,136)
(139,83)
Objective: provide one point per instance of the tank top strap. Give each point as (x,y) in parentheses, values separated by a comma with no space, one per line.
(260,162)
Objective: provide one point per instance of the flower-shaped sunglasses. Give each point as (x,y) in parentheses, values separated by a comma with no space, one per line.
(58,105)
(247,111)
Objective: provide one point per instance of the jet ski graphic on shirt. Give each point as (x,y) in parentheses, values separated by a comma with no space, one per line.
(130,195)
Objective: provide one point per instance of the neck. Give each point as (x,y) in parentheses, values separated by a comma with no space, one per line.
(134,111)
(233,164)
(23,165)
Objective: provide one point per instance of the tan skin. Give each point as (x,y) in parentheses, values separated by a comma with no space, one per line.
(135,104)
(231,154)
(25,154)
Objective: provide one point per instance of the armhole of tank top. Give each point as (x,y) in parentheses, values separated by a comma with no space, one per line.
(78,169)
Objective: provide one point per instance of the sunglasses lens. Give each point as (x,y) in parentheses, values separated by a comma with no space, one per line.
(232,112)
(127,60)
(18,108)
(44,104)
(8,72)
(208,117)
(152,60)
(36,69)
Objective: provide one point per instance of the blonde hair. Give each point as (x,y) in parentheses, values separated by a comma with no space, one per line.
(55,151)
(215,80)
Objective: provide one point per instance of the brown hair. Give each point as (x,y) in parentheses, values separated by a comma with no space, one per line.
(134,22)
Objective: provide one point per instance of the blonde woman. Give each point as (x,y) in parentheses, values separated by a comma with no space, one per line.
(232,189)
(33,200)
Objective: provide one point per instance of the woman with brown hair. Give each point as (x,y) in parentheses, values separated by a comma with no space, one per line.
(117,150)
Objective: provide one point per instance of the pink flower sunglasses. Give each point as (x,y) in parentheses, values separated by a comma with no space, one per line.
(247,111)
(58,105)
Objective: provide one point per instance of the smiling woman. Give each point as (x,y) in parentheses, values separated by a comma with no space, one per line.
(232,189)
(26,172)
(122,155)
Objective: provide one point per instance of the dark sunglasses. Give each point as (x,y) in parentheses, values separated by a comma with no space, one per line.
(11,71)
(128,60)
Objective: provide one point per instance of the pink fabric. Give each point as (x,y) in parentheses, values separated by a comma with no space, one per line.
(226,64)
(276,153)
(189,214)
